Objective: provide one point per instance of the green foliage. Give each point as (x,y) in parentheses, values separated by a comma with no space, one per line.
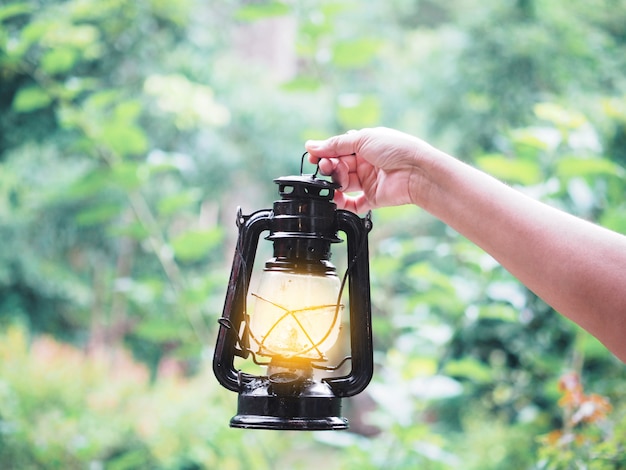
(254,12)
(587,438)
(62,408)
(129,133)
(31,98)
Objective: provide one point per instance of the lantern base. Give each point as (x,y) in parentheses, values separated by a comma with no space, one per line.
(312,406)
(331,423)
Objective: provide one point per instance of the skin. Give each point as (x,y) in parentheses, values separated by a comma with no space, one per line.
(575,266)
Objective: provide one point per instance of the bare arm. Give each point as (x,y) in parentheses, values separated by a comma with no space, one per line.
(577,267)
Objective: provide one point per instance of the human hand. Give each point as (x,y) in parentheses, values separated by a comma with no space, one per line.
(385,166)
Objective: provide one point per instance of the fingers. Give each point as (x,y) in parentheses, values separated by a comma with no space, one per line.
(337,146)
(327,166)
(336,157)
(357,204)
(337,169)
(343,172)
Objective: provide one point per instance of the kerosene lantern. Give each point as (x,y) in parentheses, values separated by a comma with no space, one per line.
(291,322)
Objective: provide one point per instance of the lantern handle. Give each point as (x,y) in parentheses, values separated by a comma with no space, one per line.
(317,169)
(356,230)
(233,316)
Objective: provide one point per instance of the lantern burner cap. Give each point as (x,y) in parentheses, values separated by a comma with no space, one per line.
(305,187)
(286,383)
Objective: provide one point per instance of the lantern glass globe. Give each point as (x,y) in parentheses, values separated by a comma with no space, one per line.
(295,316)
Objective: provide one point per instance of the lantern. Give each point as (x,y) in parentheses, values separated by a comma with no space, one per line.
(291,322)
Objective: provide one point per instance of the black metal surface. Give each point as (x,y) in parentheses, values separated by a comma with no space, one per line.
(306,406)
(356,230)
(303,225)
(229,344)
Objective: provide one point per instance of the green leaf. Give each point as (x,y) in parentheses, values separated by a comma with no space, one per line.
(133,230)
(570,167)
(305,84)
(193,245)
(394,213)
(135,458)
(559,115)
(34,31)
(355,53)
(614,218)
(128,111)
(101,99)
(385,267)
(357,111)
(30,98)
(193,104)
(87,185)
(126,175)
(419,366)
(428,275)
(15,9)
(590,346)
(530,141)
(96,215)
(499,311)
(170,204)
(257,11)
(511,170)
(470,369)
(77,36)
(73,87)
(157,330)
(124,138)
(58,60)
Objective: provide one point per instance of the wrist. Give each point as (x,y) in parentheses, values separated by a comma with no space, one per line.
(431,171)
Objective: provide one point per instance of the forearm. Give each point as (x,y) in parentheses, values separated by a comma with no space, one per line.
(575,266)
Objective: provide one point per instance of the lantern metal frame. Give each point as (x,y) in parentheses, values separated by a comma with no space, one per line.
(302,225)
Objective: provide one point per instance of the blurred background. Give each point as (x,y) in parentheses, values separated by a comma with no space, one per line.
(131,130)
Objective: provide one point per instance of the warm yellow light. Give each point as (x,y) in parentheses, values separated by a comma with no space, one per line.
(295,315)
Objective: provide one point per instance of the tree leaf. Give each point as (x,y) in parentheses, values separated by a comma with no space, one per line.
(78,36)
(499,311)
(357,111)
(87,185)
(126,175)
(195,244)
(570,167)
(170,204)
(98,214)
(511,170)
(124,138)
(469,368)
(559,115)
(133,230)
(614,218)
(58,60)
(15,9)
(257,11)
(355,53)
(128,111)
(30,99)
(304,83)
(34,31)
(157,330)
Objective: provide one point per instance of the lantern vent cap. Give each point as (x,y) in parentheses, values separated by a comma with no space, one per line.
(306,187)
